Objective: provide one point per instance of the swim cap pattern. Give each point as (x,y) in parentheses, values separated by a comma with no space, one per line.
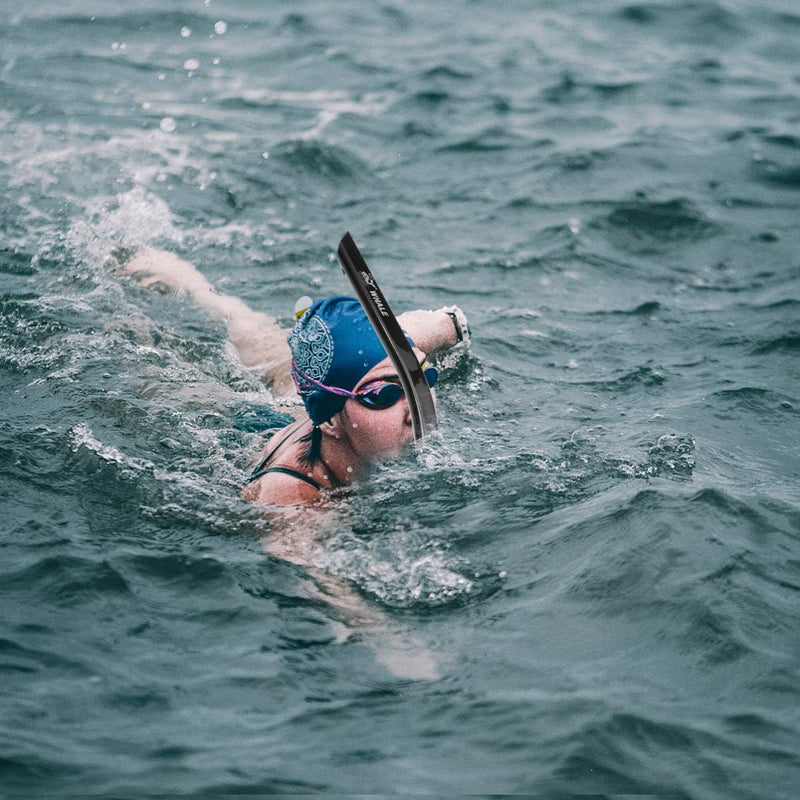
(312,347)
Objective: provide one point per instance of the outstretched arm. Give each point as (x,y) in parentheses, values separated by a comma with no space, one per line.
(258,338)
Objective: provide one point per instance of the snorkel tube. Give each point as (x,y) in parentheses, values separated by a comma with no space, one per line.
(412,378)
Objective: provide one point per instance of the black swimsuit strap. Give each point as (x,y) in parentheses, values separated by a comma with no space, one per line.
(295,474)
(259,469)
(262,469)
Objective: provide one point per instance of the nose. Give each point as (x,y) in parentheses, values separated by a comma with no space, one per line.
(406,412)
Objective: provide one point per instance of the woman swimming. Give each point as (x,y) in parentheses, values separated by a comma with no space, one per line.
(354,411)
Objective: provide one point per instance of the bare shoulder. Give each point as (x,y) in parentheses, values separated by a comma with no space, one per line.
(280,489)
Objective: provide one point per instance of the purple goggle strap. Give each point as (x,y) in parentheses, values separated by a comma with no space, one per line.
(306,384)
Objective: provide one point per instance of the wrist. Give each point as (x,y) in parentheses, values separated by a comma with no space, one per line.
(459,322)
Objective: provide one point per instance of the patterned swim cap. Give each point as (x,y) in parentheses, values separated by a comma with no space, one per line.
(333,343)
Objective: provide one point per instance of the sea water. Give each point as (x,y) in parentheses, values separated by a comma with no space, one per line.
(594,567)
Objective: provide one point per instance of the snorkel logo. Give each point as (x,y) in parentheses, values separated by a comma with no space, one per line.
(375,294)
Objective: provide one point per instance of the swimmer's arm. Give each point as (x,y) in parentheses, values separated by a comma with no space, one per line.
(434,331)
(397,649)
(258,338)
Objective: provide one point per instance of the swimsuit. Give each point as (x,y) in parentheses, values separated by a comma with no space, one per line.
(262,469)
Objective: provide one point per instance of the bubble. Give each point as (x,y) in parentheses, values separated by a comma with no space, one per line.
(167,125)
(265,155)
(220,27)
(191,63)
(186,31)
(215,61)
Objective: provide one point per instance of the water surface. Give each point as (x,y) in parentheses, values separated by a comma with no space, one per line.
(599,554)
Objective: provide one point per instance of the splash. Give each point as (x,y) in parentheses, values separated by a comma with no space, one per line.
(400,566)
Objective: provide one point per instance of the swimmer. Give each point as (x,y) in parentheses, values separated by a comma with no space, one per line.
(354,409)
(353,413)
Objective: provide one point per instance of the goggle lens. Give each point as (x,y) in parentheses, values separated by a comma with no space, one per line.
(385,395)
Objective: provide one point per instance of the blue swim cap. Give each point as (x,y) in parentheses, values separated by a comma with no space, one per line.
(333,343)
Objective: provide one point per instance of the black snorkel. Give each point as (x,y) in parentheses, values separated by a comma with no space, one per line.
(412,378)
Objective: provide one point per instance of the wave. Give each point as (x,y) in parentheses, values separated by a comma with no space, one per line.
(491,139)
(17,658)
(643,226)
(642,376)
(618,754)
(68,580)
(694,20)
(764,402)
(320,160)
(775,175)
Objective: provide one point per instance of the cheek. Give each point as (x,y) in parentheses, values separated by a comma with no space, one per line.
(379,432)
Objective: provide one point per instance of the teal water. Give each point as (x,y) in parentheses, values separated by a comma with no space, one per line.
(601,552)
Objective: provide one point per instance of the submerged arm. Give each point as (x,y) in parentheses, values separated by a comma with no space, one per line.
(293,538)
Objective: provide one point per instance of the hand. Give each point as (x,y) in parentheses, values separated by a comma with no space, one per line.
(151,266)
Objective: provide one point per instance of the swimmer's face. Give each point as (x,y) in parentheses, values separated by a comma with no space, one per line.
(382,432)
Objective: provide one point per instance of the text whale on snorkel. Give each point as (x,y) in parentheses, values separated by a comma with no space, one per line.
(374,294)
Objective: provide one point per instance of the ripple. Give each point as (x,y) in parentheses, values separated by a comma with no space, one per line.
(775,175)
(17,658)
(705,20)
(644,226)
(616,755)
(494,138)
(764,402)
(644,375)
(68,580)
(322,161)
(195,572)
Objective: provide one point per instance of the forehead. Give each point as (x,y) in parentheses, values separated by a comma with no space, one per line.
(386,368)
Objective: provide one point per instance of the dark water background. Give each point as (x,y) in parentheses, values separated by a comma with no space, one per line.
(603,549)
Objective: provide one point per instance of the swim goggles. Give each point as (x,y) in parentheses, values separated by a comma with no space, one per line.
(377,395)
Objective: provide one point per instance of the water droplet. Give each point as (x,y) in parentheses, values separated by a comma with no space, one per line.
(191,63)
(220,27)
(167,125)
(186,31)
